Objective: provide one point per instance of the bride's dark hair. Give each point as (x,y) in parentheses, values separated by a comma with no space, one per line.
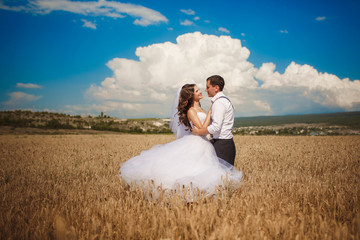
(186,100)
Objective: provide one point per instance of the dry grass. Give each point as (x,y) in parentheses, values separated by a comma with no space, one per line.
(65,187)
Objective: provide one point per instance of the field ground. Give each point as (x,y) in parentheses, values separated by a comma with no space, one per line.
(65,187)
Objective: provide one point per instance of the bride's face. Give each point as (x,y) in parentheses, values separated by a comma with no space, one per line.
(197,94)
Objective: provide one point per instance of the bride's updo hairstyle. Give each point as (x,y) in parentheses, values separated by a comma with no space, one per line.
(186,99)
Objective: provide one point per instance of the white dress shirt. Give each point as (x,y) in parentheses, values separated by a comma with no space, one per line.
(222,117)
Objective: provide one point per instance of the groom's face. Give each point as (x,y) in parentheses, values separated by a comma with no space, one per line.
(211,90)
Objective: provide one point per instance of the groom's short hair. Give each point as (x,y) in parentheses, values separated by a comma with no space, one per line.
(216,80)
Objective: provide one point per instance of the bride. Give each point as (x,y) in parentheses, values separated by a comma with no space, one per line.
(190,161)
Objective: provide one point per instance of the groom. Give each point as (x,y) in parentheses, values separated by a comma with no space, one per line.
(222,117)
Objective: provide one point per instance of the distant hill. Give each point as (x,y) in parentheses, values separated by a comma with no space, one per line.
(310,124)
(49,120)
(349,119)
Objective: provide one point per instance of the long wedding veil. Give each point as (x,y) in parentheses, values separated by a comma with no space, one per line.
(176,127)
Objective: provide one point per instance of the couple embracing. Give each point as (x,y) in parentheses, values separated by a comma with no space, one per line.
(202,156)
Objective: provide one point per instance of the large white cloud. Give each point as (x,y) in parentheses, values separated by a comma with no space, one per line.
(143,16)
(146,87)
(162,68)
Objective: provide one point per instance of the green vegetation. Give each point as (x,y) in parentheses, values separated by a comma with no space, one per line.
(349,119)
(56,124)
(47,120)
(311,124)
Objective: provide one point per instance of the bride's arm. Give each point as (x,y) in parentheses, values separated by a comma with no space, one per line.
(200,129)
(193,117)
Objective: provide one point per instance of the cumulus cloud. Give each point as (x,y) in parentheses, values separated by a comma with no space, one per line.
(143,16)
(222,29)
(320,18)
(27,85)
(187,12)
(196,18)
(284,31)
(18,99)
(146,87)
(325,89)
(186,22)
(88,24)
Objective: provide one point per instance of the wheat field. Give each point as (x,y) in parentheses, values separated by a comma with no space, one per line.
(65,187)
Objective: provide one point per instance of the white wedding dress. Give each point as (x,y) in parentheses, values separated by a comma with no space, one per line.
(189,162)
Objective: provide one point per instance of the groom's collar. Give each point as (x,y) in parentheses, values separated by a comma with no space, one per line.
(219,94)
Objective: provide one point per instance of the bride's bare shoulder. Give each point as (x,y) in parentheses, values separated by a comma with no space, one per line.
(191,110)
(191,113)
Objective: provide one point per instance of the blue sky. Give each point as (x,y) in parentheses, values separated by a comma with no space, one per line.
(84,57)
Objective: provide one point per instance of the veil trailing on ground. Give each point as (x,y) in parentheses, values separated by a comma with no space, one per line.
(176,127)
